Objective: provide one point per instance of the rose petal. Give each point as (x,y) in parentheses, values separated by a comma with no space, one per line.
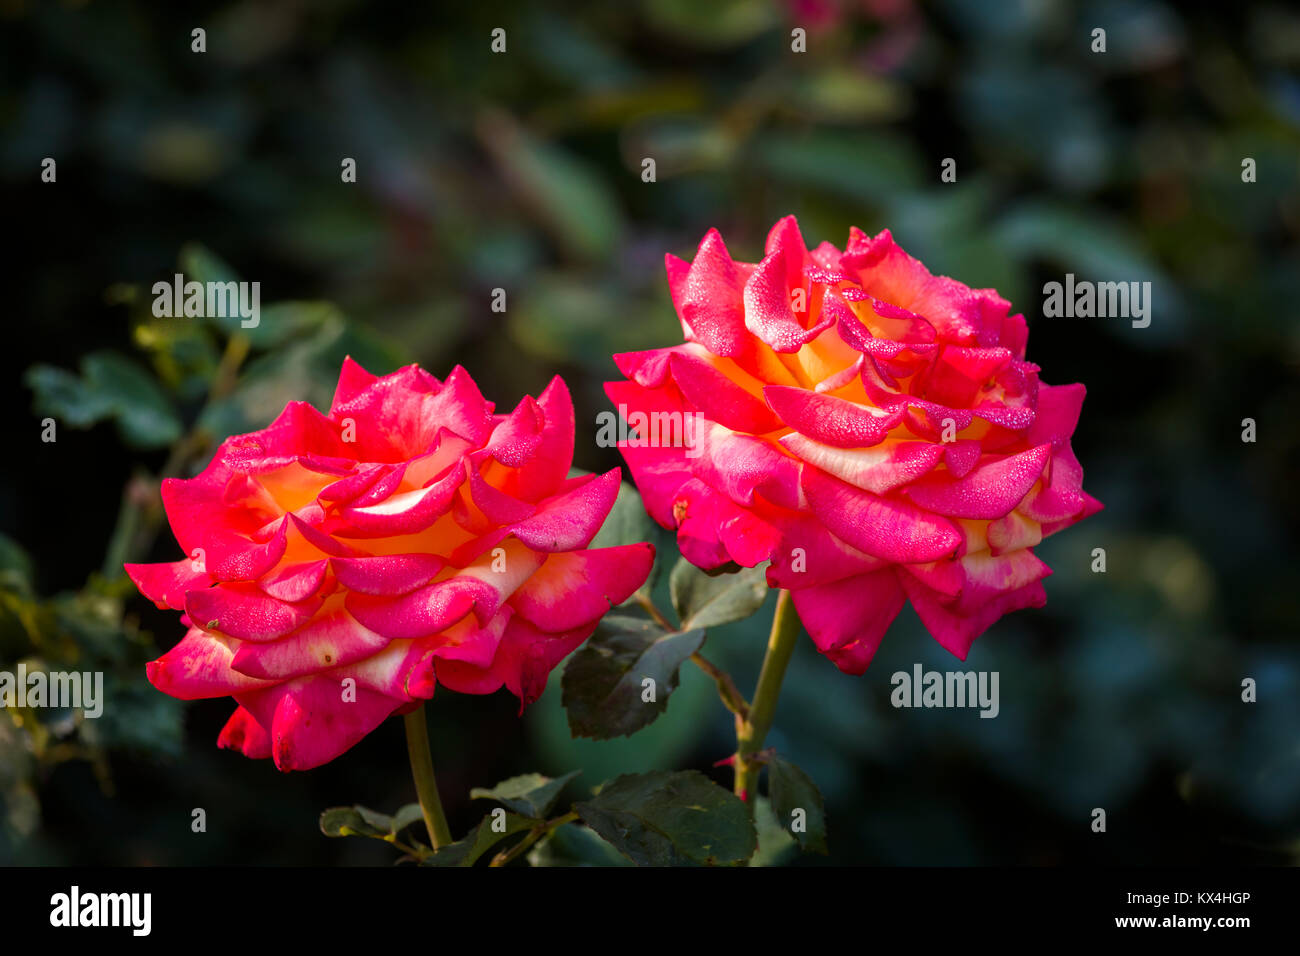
(884,527)
(580,587)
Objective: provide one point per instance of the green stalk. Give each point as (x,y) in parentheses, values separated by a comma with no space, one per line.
(426,785)
(753,728)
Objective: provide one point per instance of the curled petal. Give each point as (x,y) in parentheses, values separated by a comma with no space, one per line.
(353,380)
(880,470)
(809,555)
(470,644)
(541,475)
(345,490)
(403,671)
(830,420)
(245,612)
(847,619)
(387,574)
(961,456)
(960,373)
(769,311)
(515,440)
(407,512)
(199,667)
(884,527)
(719,397)
(493,507)
(1013,531)
(1057,414)
(246,735)
(990,491)
(527,656)
(580,587)
(742,466)
(294,582)
(328,640)
(707,295)
(658,470)
(481,587)
(713,531)
(309,722)
(568,521)
(957,631)
(165,584)
(253,562)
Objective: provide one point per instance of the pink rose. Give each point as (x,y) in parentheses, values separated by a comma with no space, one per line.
(871,429)
(341,566)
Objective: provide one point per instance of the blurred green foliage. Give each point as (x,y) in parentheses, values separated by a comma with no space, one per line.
(522,171)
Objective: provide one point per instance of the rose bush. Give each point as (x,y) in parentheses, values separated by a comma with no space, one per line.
(342,566)
(872,430)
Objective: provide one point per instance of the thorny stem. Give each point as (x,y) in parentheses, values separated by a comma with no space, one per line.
(426,785)
(751,731)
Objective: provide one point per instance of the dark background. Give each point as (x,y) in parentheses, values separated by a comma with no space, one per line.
(522,171)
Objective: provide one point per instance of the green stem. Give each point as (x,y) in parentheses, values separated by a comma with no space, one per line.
(652,609)
(751,731)
(426,785)
(535,834)
(732,698)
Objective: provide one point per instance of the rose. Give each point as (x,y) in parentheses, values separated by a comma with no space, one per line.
(340,566)
(871,429)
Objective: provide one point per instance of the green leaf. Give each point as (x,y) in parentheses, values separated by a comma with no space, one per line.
(569,196)
(562,318)
(405,816)
(873,168)
(362,821)
(843,94)
(144,413)
(602,685)
(283,321)
(198,263)
(703,600)
(302,370)
(64,396)
(574,845)
(721,23)
(481,839)
(16,569)
(776,845)
(111,385)
(1091,244)
(530,795)
(671,819)
(354,821)
(797,803)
